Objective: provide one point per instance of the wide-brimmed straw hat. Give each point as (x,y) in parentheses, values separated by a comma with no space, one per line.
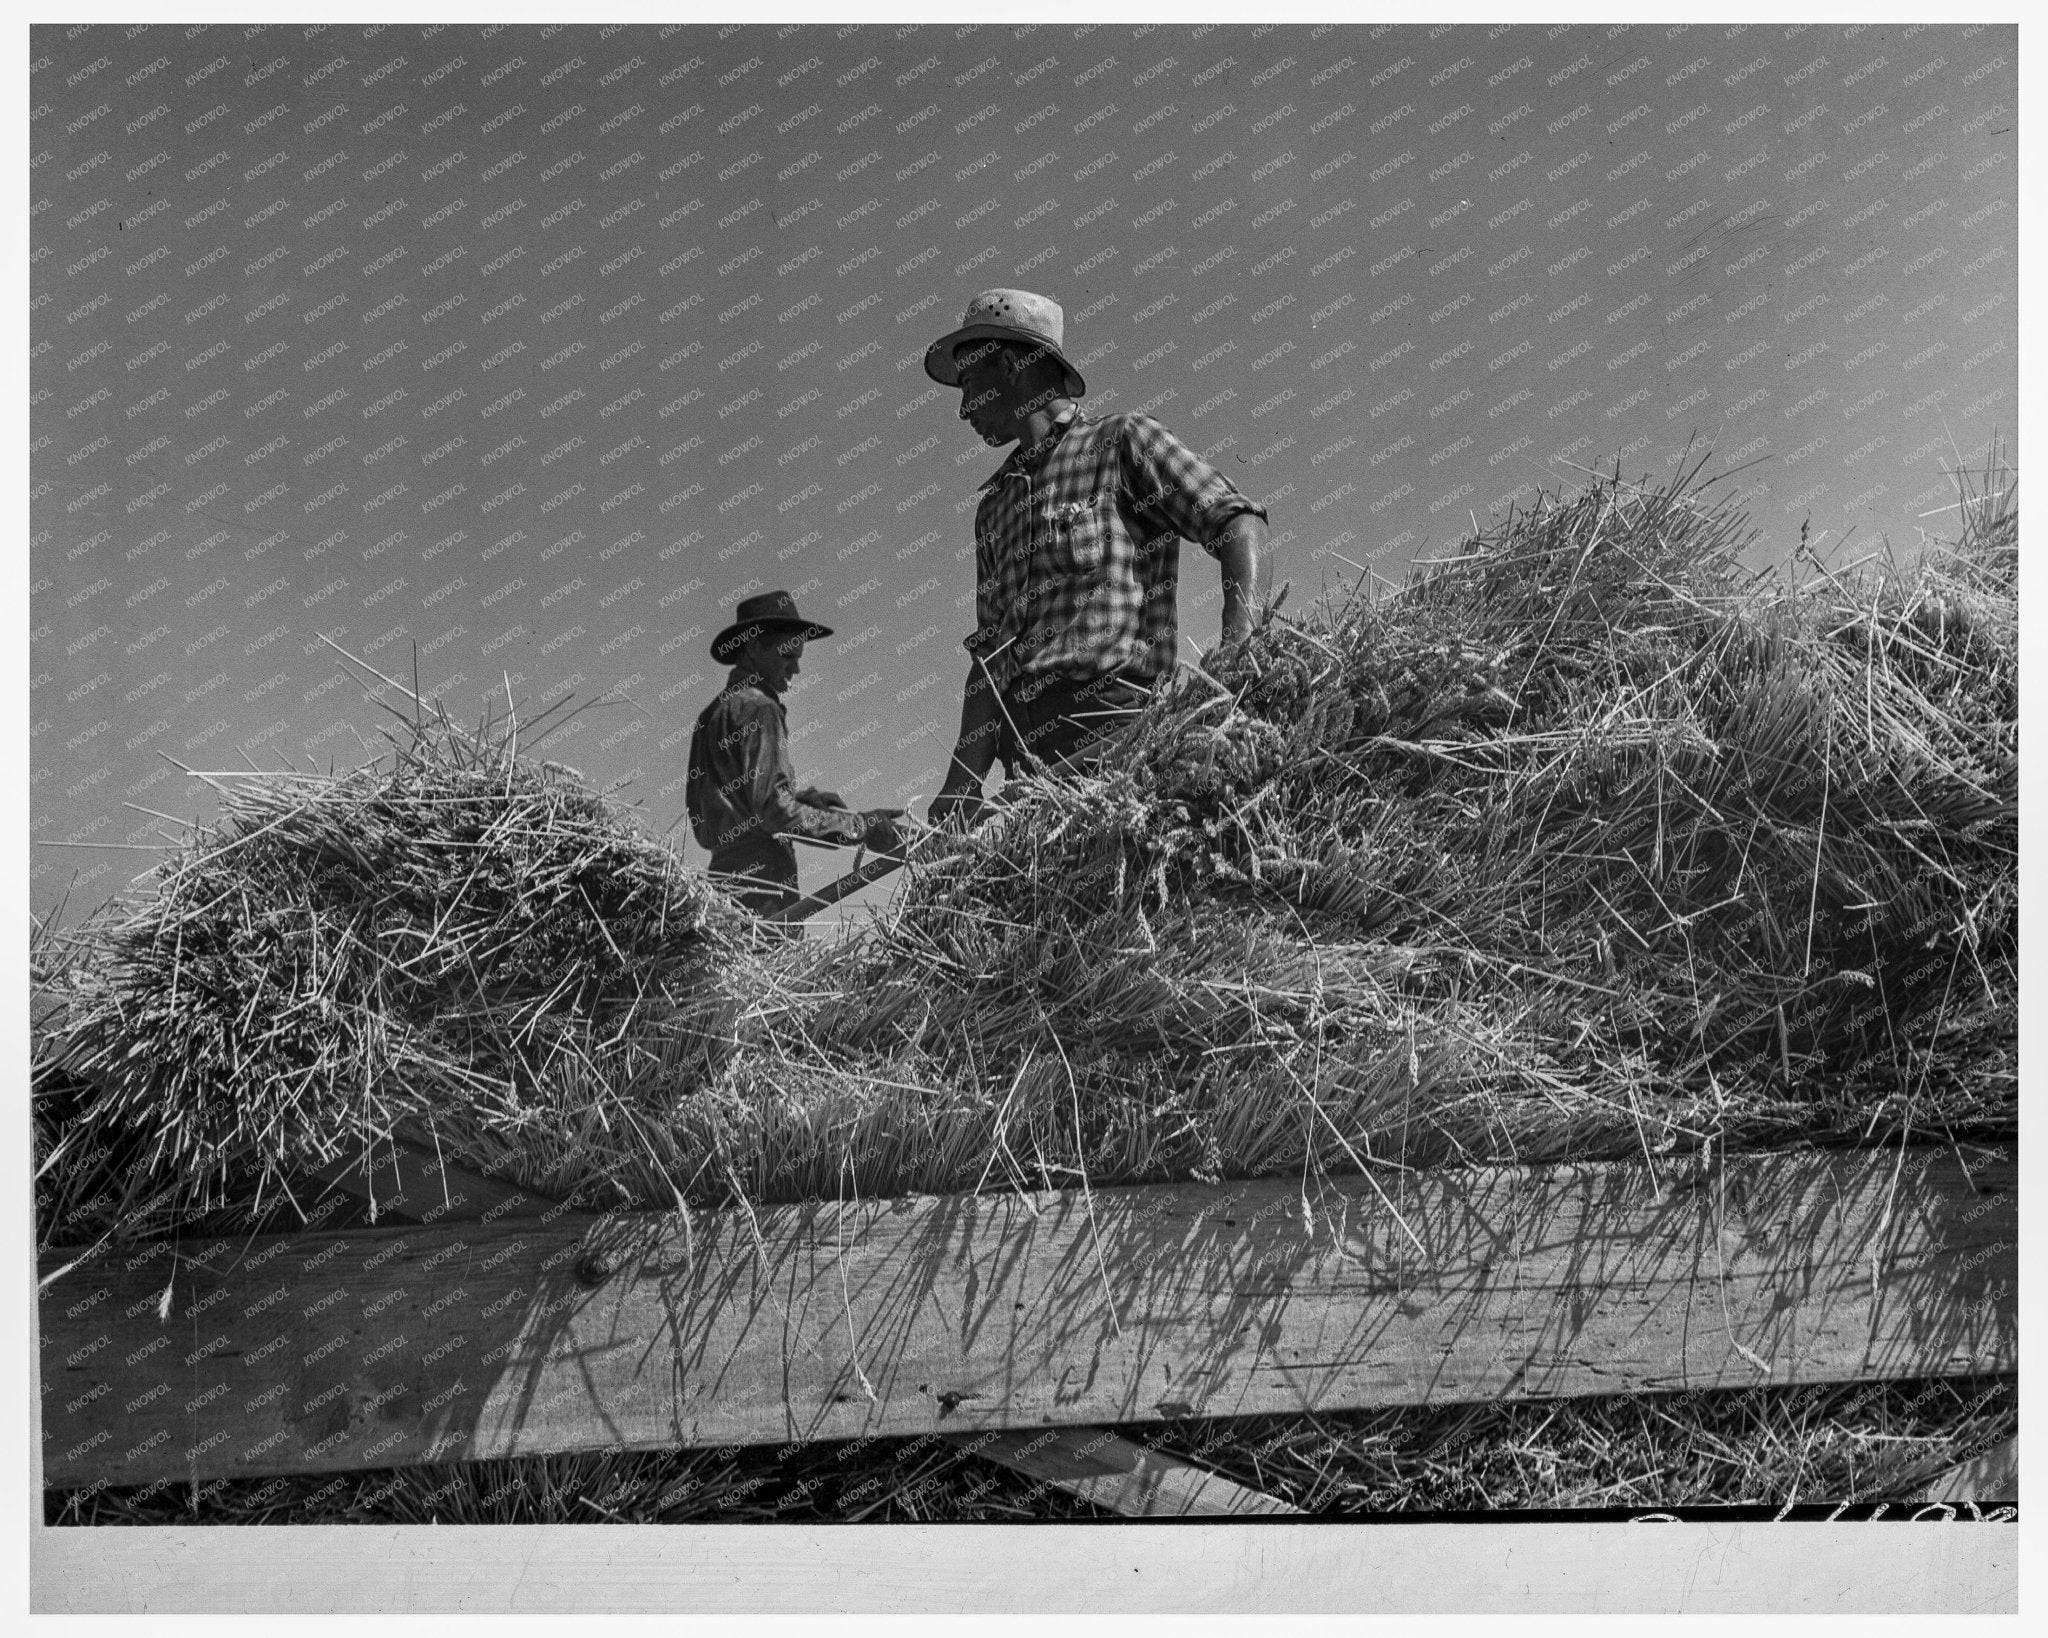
(769,611)
(1005,315)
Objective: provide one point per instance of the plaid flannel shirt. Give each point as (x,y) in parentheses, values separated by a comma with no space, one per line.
(1077,558)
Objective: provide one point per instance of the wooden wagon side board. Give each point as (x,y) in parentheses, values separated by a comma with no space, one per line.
(395,1346)
(406,1183)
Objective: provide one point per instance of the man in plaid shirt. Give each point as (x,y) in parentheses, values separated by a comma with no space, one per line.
(1077,548)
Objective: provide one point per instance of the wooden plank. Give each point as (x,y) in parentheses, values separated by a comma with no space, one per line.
(1102,1467)
(1988,1478)
(1094,1464)
(375,1347)
(417,1187)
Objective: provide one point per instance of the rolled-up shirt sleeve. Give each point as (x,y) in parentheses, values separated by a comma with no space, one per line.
(1173,490)
(774,787)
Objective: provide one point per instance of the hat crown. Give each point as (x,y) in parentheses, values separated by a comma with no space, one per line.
(768,606)
(993,315)
(765,611)
(1021,309)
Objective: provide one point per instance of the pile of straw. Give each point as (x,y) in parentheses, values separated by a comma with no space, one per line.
(340,956)
(1586,843)
(1585,813)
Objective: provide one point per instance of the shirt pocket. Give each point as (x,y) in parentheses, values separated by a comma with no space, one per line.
(1080,533)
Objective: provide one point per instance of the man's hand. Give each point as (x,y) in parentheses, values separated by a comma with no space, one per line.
(820,799)
(883,836)
(974,753)
(957,804)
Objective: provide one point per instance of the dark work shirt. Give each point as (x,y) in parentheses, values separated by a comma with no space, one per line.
(741,791)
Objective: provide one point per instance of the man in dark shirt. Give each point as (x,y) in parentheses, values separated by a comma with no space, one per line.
(1077,548)
(741,795)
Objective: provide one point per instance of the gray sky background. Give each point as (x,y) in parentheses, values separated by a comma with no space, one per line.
(538,347)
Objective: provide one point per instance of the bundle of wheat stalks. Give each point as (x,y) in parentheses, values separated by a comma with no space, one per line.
(1585,843)
(346,955)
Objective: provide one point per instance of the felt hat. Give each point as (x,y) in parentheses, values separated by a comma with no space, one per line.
(1005,315)
(769,611)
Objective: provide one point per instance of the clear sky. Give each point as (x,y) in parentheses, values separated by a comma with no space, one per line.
(538,347)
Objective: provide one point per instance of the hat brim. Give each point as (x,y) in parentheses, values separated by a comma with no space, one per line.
(734,638)
(939,364)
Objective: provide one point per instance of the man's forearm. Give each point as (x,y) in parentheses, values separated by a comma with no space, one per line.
(790,815)
(974,753)
(1247,569)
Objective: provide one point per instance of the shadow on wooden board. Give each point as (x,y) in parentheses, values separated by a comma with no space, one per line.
(390,1346)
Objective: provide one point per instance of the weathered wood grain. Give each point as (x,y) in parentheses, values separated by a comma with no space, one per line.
(376,1347)
(412,1186)
(1102,1467)
(1093,1463)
